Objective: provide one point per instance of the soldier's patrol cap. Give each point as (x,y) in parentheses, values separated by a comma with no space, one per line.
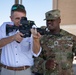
(53,14)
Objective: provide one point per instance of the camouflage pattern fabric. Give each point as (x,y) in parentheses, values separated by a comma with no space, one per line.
(57,54)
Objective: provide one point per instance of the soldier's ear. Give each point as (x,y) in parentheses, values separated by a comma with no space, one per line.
(59,20)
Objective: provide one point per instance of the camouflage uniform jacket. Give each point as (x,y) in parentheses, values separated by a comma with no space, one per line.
(57,54)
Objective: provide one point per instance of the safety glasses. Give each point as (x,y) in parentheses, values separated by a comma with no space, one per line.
(15,7)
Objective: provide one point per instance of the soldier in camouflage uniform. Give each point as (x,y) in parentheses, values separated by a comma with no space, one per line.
(57,49)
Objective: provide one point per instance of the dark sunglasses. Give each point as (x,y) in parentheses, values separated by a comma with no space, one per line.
(15,7)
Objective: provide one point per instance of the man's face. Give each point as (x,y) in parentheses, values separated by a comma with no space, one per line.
(53,24)
(16,17)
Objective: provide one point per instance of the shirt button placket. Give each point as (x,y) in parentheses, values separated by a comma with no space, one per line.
(16,54)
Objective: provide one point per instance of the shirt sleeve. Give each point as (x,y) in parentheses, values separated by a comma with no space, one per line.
(36,55)
(2,31)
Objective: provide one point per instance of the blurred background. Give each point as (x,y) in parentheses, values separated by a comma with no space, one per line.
(36,10)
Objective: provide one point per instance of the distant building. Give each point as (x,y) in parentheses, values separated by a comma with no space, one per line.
(68,14)
(68,11)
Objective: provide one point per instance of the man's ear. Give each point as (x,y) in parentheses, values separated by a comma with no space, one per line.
(11,18)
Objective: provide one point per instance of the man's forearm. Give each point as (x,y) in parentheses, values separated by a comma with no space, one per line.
(36,46)
(6,41)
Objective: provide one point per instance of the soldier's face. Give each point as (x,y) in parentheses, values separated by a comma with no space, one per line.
(53,24)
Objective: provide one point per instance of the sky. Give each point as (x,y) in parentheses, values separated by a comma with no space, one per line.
(36,10)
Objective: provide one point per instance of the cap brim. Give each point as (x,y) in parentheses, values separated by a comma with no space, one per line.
(51,19)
